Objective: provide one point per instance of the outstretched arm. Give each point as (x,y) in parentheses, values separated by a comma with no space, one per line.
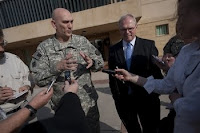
(15,121)
(124,75)
(160,86)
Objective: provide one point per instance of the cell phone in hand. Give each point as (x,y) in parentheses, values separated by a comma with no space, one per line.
(68,76)
(157,59)
(108,71)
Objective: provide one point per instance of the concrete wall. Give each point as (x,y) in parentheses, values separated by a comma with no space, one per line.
(82,20)
(154,13)
(101,23)
(148,30)
(157,10)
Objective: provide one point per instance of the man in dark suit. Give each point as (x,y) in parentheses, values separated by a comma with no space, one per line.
(134,54)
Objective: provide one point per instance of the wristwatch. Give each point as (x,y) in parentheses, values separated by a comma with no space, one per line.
(31,109)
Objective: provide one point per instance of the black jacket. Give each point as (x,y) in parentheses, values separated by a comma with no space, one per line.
(142,64)
(69,118)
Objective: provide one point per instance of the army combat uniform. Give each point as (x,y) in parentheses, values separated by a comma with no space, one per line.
(43,66)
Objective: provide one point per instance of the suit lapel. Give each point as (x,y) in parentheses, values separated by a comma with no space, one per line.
(120,54)
(136,50)
(137,46)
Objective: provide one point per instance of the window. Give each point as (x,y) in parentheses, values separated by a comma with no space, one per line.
(162,30)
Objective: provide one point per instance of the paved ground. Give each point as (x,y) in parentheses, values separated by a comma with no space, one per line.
(110,122)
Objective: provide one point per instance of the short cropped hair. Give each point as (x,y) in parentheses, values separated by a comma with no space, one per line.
(125,16)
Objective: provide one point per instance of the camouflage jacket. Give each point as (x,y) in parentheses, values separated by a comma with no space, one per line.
(50,51)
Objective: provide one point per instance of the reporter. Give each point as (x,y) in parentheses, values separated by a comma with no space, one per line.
(15,77)
(183,75)
(16,120)
(69,116)
(171,51)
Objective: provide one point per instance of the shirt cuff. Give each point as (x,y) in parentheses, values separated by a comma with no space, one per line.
(149,86)
(177,104)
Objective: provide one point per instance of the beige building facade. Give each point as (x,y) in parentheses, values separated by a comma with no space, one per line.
(156,21)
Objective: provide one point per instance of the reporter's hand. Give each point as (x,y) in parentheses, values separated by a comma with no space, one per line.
(71,88)
(87,59)
(122,74)
(67,63)
(174,96)
(5,94)
(41,99)
(165,67)
(168,60)
(23,88)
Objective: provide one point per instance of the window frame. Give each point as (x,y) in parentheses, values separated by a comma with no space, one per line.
(163,31)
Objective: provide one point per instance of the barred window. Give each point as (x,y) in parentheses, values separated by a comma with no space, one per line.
(162,30)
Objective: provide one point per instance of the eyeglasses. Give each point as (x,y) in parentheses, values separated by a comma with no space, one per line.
(4,43)
(129,29)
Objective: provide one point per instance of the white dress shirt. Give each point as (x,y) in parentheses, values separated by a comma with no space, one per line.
(14,74)
(125,46)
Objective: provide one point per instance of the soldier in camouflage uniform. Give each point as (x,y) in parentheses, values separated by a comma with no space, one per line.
(68,52)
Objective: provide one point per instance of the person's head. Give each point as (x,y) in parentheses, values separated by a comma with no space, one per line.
(2,44)
(171,51)
(188,24)
(62,22)
(127,27)
(173,46)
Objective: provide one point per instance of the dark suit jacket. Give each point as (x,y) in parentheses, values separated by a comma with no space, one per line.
(141,65)
(69,118)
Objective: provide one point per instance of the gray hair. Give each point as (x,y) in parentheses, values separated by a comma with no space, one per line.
(127,16)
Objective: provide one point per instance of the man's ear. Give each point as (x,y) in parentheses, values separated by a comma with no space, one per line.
(136,26)
(53,23)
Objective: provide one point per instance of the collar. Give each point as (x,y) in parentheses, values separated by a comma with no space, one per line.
(71,43)
(6,56)
(132,42)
